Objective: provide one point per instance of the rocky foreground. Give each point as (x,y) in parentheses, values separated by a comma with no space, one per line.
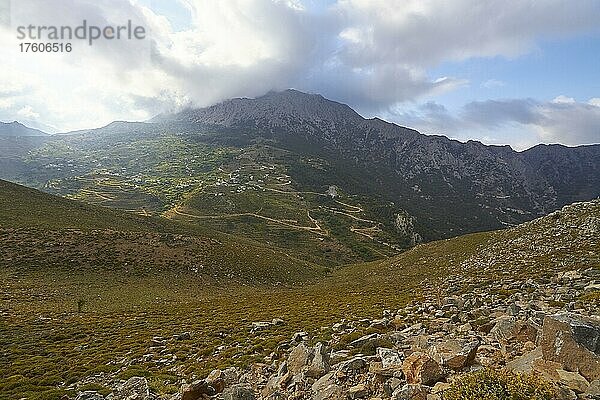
(424,350)
(517,319)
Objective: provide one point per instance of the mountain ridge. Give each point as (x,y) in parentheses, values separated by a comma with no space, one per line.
(447,187)
(16,128)
(529,181)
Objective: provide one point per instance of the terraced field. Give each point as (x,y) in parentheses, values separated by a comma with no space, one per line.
(250,190)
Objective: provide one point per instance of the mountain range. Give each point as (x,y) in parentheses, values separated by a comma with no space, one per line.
(472,185)
(419,187)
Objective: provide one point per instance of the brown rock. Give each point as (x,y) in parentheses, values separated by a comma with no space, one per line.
(504,329)
(524,363)
(358,391)
(455,354)
(196,390)
(326,389)
(525,331)
(573,381)
(319,365)
(216,380)
(547,369)
(593,391)
(410,392)
(298,358)
(420,368)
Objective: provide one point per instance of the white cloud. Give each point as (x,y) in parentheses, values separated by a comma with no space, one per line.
(372,54)
(427,32)
(492,84)
(563,100)
(594,101)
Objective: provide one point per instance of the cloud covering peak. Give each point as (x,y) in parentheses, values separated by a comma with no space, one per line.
(373,55)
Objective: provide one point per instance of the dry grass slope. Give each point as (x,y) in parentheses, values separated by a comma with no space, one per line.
(135,284)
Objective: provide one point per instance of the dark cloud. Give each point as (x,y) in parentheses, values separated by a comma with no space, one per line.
(493,113)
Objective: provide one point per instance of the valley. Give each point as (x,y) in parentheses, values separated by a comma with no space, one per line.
(246,190)
(199,254)
(82,306)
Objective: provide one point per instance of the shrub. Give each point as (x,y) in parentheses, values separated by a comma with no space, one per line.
(80,304)
(490,384)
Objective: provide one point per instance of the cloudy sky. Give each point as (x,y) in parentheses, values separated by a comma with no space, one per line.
(516,72)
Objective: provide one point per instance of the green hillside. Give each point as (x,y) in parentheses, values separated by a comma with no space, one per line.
(46,233)
(254,189)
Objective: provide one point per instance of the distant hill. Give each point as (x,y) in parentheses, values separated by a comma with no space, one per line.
(17,129)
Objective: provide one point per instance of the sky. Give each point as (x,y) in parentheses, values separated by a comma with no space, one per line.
(517,72)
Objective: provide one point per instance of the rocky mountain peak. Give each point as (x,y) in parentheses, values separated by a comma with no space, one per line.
(285,108)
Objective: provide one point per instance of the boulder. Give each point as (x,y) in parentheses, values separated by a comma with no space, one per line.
(298,358)
(364,340)
(503,329)
(358,391)
(420,368)
(524,364)
(320,362)
(300,337)
(593,390)
(526,331)
(278,381)
(390,365)
(391,385)
(259,326)
(196,390)
(573,381)
(353,364)
(89,395)
(216,379)
(410,392)
(326,388)
(238,392)
(390,358)
(456,353)
(574,342)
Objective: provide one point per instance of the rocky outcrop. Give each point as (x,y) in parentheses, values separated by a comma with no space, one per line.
(419,368)
(526,326)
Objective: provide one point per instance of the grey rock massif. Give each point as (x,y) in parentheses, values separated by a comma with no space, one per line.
(451,187)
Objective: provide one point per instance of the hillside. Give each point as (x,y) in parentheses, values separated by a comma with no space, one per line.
(479,187)
(41,232)
(246,190)
(166,326)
